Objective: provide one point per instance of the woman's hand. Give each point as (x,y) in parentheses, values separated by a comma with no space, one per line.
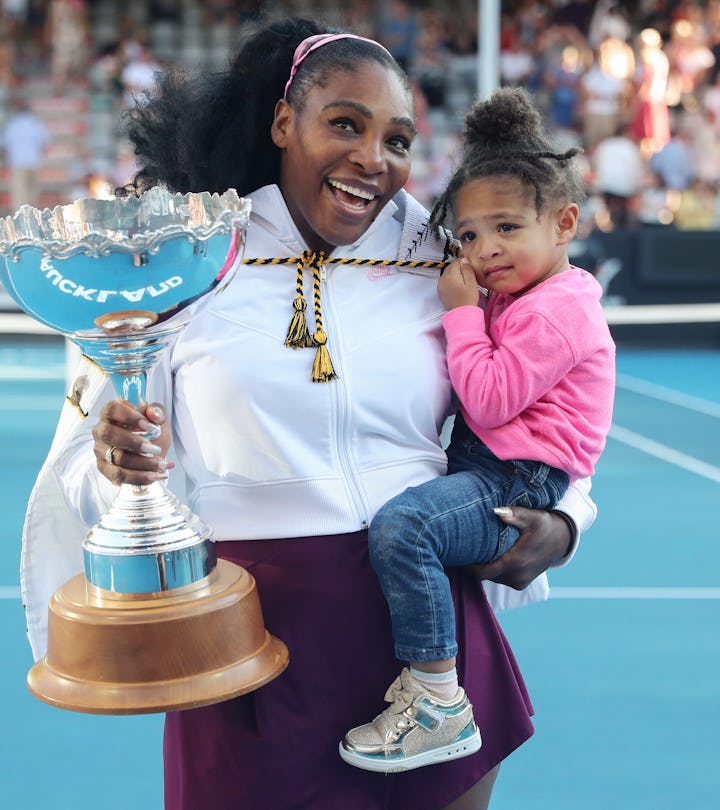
(545,538)
(457,286)
(124,455)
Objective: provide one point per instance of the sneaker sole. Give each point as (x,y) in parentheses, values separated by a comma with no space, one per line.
(433,757)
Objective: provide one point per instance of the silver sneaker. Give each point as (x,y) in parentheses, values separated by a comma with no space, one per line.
(416,729)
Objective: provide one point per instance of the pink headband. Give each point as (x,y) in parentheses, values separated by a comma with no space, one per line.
(310,44)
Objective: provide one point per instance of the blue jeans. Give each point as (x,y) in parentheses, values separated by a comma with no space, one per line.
(449,522)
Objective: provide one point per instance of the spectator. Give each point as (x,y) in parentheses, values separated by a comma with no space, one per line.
(690,62)
(608,20)
(711,103)
(67,37)
(674,162)
(651,120)
(532,20)
(563,84)
(25,139)
(104,71)
(704,145)
(605,90)
(14,16)
(139,75)
(517,63)
(696,211)
(429,67)
(575,13)
(655,203)
(399,32)
(618,170)
(360,17)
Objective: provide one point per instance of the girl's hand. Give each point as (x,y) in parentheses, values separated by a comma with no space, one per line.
(545,538)
(123,454)
(458,286)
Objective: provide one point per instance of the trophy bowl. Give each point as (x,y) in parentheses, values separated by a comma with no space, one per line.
(155,622)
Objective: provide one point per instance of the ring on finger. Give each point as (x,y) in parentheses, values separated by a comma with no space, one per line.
(109,455)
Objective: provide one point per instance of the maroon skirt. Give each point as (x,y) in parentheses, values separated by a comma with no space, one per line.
(277,748)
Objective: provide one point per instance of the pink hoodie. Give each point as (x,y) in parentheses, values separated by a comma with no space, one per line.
(536,374)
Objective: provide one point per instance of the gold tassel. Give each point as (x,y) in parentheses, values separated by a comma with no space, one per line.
(323,370)
(298,335)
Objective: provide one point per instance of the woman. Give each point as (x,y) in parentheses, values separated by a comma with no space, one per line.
(288,471)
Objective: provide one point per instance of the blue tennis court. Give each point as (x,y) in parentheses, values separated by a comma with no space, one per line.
(621,663)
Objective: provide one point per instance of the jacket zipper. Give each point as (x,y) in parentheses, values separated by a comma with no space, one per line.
(352,479)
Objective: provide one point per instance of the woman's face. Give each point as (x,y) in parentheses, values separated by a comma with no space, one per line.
(345,154)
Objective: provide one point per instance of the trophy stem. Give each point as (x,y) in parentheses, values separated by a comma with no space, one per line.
(127,356)
(132,387)
(147,542)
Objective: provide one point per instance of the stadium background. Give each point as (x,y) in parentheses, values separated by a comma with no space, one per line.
(621,661)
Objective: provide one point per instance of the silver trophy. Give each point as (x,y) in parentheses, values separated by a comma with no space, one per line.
(156,622)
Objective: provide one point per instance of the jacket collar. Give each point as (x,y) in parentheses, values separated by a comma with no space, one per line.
(269,209)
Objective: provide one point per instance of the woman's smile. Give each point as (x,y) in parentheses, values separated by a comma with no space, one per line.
(352,195)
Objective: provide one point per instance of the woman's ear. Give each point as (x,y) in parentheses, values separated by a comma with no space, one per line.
(567,222)
(282,123)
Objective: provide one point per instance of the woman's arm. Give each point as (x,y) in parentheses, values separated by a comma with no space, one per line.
(545,540)
(548,539)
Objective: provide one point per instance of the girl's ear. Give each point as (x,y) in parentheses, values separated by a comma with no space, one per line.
(567,222)
(282,123)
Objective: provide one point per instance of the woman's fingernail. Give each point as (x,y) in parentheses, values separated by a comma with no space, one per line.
(164,464)
(144,426)
(156,412)
(149,449)
(503,511)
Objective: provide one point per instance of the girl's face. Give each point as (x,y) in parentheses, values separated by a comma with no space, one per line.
(510,248)
(345,154)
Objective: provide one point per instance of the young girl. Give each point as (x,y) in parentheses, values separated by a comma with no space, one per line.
(532,363)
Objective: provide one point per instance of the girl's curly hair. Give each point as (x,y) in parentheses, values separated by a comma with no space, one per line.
(505,137)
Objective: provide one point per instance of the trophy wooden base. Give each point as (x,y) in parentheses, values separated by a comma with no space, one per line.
(139,653)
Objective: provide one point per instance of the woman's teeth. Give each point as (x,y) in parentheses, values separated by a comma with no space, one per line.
(355,192)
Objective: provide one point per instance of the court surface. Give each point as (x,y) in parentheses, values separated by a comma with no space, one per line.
(622,662)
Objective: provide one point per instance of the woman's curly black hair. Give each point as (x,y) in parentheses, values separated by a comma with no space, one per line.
(211,132)
(505,137)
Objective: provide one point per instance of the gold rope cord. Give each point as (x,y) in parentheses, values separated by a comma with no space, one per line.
(298,335)
(379,262)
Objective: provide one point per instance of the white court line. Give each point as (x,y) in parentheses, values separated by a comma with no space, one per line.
(18,372)
(603,592)
(662,313)
(665,453)
(669,395)
(20,323)
(17,403)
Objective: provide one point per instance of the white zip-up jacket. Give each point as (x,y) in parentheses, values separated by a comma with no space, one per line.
(266,452)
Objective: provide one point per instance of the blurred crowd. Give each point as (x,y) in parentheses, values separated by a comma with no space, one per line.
(635,85)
